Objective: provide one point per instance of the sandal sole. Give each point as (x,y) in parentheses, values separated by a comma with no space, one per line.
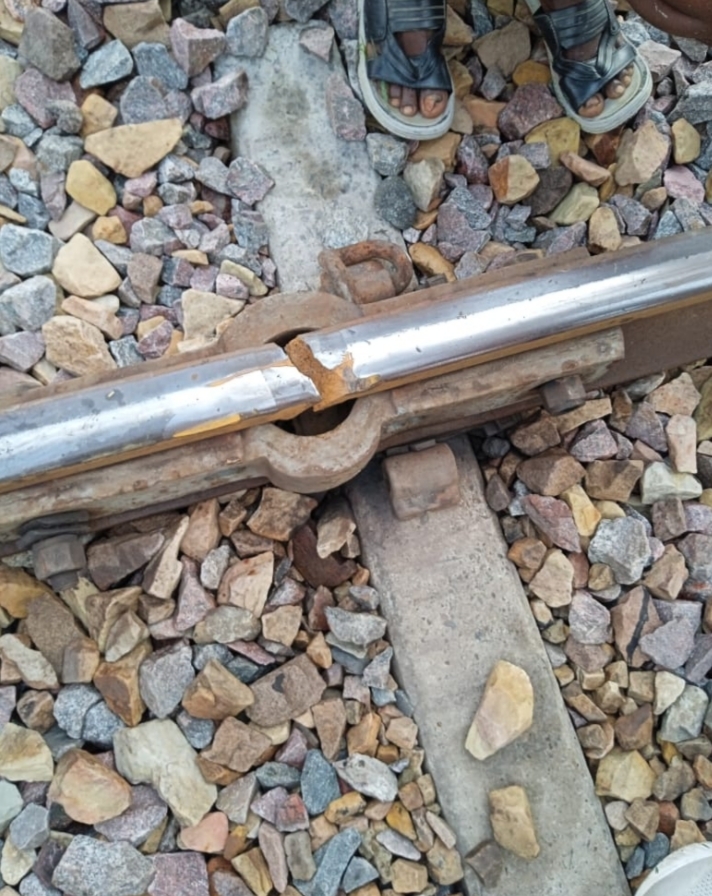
(414,127)
(615,112)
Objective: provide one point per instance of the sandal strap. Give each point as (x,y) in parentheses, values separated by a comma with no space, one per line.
(571,27)
(415,15)
(383,19)
(564,29)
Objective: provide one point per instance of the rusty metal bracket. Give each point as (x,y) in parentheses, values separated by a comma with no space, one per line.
(366,272)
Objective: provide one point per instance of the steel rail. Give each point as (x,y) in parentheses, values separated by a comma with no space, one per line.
(375,354)
(450,328)
(106,423)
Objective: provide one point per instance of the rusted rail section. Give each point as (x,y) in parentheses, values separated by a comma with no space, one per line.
(419,364)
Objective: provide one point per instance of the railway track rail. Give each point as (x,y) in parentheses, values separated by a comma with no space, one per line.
(303,389)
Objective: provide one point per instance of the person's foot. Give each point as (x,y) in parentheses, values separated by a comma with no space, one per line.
(615,88)
(430,103)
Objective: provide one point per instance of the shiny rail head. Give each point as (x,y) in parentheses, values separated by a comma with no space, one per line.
(101,424)
(466,328)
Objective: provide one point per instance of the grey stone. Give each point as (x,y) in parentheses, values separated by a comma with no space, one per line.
(59,742)
(378,671)
(154,61)
(300,860)
(34,210)
(100,725)
(368,776)
(144,815)
(695,806)
(119,256)
(358,873)
(697,551)
(387,154)
(623,545)
(398,845)
(668,225)
(21,351)
(198,732)
(695,104)
(247,181)
(683,720)
(68,115)
(91,868)
(659,483)
(48,45)
(278,774)
(670,645)
(302,10)
(163,678)
(30,829)
(18,122)
(235,799)
(213,173)
(57,153)
(152,237)
(394,202)
(589,621)
(247,33)
(360,629)
(332,861)
(214,566)
(23,181)
(125,351)
(10,803)
(71,705)
(699,662)
(27,252)
(319,783)
(656,850)
(227,623)
(222,97)
(109,63)
(33,886)
(142,100)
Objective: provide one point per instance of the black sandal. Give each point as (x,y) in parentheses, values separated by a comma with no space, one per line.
(576,82)
(382,61)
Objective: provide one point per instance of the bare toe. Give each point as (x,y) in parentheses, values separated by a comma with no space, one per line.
(394,95)
(432,103)
(615,89)
(409,101)
(593,107)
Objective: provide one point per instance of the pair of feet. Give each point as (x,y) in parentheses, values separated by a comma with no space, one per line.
(432,103)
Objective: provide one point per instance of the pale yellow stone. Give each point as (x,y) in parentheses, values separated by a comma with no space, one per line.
(10,214)
(559,134)
(204,311)
(109,229)
(578,205)
(89,187)
(131,149)
(428,260)
(686,142)
(24,755)
(98,114)
(76,346)
(81,269)
(603,232)
(87,790)
(624,775)
(513,179)
(505,712)
(553,583)
(253,283)
(94,313)
(586,515)
(512,821)
(640,154)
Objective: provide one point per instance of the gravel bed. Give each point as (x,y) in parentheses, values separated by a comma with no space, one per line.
(607,511)
(207,706)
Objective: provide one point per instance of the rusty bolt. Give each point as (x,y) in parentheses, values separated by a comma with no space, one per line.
(564,394)
(419,481)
